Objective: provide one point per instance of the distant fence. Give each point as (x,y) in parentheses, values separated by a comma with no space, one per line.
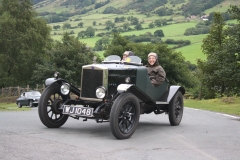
(16,91)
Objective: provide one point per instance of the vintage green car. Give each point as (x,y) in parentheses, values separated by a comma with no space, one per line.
(113,91)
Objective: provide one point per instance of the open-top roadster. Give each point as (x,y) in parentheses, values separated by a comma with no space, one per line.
(113,91)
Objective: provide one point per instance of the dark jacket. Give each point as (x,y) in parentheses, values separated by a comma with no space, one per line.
(156,74)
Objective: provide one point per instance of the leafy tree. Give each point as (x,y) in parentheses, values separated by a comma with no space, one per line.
(23,41)
(112,10)
(56,27)
(66,26)
(90,32)
(122,19)
(102,43)
(117,19)
(81,34)
(159,33)
(158,22)
(151,25)
(67,57)
(138,27)
(94,23)
(126,25)
(215,76)
(109,25)
(134,20)
(80,24)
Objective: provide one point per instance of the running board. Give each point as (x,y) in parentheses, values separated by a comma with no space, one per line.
(161,102)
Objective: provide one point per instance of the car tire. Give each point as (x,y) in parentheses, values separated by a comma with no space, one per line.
(124,116)
(30,103)
(19,105)
(50,98)
(175,110)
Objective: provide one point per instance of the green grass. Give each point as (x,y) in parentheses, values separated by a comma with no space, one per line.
(192,52)
(173,31)
(216,105)
(12,107)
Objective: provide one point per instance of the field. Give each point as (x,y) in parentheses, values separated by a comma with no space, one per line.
(175,30)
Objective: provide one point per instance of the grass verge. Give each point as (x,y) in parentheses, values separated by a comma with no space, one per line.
(226,105)
(12,107)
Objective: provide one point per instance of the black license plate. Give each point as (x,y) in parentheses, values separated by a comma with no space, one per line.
(78,110)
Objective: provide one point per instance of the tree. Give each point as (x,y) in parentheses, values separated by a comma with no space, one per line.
(81,34)
(126,25)
(80,24)
(109,24)
(90,32)
(215,76)
(94,23)
(151,25)
(122,19)
(56,27)
(23,41)
(159,33)
(67,57)
(134,21)
(117,19)
(66,26)
(138,27)
(158,22)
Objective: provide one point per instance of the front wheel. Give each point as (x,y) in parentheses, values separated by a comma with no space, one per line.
(124,116)
(49,107)
(30,103)
(19,105)
(176,109)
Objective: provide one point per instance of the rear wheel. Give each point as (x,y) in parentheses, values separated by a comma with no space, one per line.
(176,109)
(49,107)
(124,116)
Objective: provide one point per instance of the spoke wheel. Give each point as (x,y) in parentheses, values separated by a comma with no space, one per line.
(124,116)
(176,109)
(48,107)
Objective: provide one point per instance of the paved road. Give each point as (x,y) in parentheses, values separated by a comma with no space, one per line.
(202,135)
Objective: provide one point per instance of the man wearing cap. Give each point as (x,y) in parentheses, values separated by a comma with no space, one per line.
(156,73)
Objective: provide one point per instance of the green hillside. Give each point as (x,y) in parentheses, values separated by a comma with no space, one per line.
(176,12)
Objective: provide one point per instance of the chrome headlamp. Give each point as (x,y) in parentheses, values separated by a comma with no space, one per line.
(65,88)
(128,79)
(100,92)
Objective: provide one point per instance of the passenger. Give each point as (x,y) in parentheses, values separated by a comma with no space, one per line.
(156,73)
(127,54)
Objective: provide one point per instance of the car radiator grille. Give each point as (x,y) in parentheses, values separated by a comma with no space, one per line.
(91,79)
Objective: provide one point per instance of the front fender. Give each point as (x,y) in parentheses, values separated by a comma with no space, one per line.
(51,81)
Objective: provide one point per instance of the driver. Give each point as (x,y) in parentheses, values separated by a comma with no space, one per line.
(127,54)
(156,73)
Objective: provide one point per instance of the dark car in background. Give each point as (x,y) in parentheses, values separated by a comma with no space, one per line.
(114,91)
(29,98)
